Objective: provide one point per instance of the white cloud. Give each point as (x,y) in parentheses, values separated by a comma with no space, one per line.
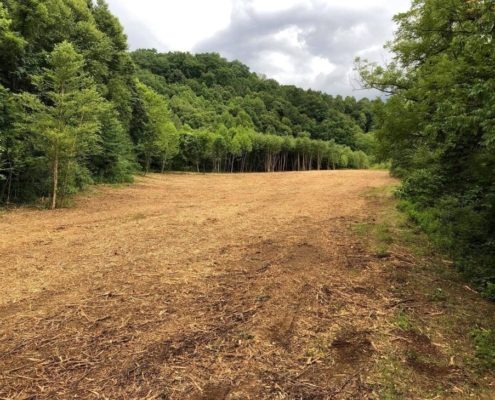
(290,36)
(267,6)
(320,65)
(178,25)
(309,43)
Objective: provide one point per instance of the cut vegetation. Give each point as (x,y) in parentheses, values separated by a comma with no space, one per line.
(262,286)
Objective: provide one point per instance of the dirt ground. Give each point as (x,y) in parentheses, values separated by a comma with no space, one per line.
(207,287)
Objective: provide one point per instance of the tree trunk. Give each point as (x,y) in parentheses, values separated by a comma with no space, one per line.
(54,182)
(163,166)
(9,182)
(147,164)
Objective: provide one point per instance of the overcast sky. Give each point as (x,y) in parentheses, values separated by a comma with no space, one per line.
(308,43)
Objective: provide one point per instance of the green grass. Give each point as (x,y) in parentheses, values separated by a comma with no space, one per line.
(438,295)
(380,235)
(383,166)
(389,374)
(484,344)
(442,309)
(402,320)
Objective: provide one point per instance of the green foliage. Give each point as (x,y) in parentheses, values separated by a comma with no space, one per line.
(114,161)
(254,126)
(12,148)
(157,136)
(490,291)
(243,150)
(192,148)
(205,90)
(59,62)
(167,143)
(484,343)
(11,46)
(438,127)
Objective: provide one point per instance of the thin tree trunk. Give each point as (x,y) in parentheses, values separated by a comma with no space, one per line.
(9,187)
(9,182)
(54,182)
(147,165)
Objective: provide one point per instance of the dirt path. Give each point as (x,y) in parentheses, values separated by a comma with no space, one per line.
(196,287)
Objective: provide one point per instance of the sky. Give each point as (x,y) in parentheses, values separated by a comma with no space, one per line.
(307,43)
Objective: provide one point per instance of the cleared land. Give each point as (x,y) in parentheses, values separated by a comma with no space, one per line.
(259,286)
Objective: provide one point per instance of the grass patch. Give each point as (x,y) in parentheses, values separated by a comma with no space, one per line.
(444,327)
(402,320)
(484,344)
(383,166)
(389,378)
(380,235)
(438,295)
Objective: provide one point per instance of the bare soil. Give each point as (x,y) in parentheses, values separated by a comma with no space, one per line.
(188,286)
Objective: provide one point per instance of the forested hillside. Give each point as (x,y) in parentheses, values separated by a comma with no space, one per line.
(439,126)
(78,108)
(207,90)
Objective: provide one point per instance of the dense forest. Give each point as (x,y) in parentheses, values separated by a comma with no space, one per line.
(438,126)
(76,107)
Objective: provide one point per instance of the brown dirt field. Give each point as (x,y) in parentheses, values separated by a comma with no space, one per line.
(198,287)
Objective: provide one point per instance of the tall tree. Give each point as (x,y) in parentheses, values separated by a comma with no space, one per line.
(157,136)
(167,143)
(63,118)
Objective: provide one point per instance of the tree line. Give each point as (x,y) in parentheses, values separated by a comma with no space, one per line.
(76,108)
(438,126)
(245,150)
